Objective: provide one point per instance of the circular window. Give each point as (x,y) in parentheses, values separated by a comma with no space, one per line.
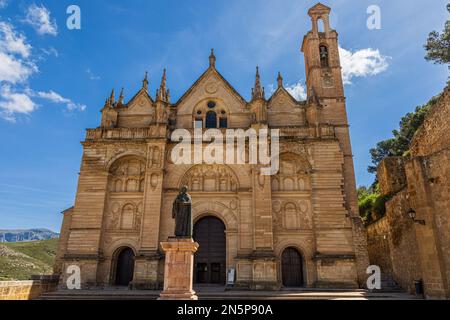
(199,112)
(222,112)
(211,104)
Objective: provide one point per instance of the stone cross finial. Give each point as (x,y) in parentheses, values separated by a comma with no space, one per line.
(280,80)
(145,82)
(212,59)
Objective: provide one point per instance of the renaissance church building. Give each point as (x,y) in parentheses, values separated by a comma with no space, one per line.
(298,228)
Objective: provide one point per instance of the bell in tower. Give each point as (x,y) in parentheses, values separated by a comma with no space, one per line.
(321,50)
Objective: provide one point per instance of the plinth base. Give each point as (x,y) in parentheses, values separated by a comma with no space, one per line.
(178,296)
(178,269)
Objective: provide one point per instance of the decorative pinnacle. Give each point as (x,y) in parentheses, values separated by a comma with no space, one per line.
(145,82)
(121,97)
(163,94)
(257,91)
(280,80)
(112,97)
(212,59)
(106,106)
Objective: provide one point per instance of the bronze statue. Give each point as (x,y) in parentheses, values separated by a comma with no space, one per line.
(182,213)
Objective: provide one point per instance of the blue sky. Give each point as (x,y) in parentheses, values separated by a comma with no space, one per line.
(54,81)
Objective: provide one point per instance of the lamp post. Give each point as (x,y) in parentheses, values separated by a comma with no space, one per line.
(412,215)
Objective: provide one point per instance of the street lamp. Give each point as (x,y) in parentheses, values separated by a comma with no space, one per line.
(412,215)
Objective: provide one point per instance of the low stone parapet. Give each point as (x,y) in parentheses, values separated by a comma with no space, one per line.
(27,290)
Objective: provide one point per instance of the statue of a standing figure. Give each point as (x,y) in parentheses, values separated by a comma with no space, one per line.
(182,213)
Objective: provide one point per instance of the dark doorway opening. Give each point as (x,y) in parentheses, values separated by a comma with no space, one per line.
(124,267)
(292,268)
(210,259)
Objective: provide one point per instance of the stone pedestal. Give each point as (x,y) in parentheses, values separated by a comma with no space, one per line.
(178,270)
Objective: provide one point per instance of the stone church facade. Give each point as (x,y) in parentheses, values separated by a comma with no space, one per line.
(300,227)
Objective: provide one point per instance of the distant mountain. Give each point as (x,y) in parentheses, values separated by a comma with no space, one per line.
(21,260)
(26,235)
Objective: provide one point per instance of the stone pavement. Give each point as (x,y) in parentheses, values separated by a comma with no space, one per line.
(218,293)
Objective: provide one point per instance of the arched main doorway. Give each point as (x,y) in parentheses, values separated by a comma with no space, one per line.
(292,268)
(124,267)
(210,259)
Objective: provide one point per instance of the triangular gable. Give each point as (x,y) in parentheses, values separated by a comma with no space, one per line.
(319,8)
(141,103)
(204,79)
(282,100)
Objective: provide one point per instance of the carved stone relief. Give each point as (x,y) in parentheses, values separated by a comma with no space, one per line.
(293,174)
(127,175)
(124,215)
(210,178)
(327,79)
(155,157)
(291,215)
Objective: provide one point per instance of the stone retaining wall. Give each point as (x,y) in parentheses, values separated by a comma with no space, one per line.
(26,290)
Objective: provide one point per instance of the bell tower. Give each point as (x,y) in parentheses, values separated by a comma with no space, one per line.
(321,51)
(325,89)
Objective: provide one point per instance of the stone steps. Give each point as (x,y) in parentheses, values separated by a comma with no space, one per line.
(388,284)
(304,294)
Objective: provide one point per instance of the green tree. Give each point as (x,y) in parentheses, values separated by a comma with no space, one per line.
(438,45)
(398,146)
(371,203)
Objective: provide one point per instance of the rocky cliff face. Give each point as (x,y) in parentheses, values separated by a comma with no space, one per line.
(26,235)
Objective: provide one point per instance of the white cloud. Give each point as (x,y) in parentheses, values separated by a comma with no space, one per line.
(15,63)
(362,63)
(92,75)
(13,42)
(297,90)
(51,51)
(13,102)
(14,70)
(57,98)
(39,18)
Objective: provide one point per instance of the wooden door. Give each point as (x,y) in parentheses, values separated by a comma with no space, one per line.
(292,268)
(124,267)
(210,259)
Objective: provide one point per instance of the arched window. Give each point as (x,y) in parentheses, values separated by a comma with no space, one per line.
(320,25)
(223,123)
(223,119)
(211,120)
(324,57)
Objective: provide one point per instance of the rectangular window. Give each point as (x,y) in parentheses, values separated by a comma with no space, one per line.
(223,123)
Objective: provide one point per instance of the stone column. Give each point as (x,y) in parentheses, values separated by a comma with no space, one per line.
(147,262)
(178,269)
(264,269)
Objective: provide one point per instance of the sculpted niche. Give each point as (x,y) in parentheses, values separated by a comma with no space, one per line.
(127,175)
(210,178)
(293,174)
